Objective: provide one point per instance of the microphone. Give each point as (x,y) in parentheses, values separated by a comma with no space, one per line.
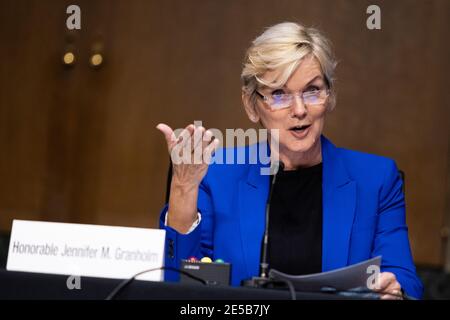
(263,278)
(264,265)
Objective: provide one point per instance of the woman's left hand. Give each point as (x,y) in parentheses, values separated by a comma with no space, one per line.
(389,287)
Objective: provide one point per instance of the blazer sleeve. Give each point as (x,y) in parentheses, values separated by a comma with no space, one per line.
(391,238)
(198,243)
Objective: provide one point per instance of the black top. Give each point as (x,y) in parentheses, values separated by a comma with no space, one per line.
(295,222)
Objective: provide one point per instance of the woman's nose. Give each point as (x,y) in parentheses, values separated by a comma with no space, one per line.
(298,107)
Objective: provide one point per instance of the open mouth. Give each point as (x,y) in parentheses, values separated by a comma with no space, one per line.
(300,128)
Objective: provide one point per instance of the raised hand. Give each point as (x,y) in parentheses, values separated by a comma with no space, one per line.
(191,154)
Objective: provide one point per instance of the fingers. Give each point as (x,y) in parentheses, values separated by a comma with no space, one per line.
(388,286)
(393,291)
(193,145)
(198,137)
(186,134)
(184,142)
(206,139)
(394,295)
(168,134)
(209,150)
(181,150)
(384,280)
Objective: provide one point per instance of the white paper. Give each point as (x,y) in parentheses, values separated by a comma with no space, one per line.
(354,276)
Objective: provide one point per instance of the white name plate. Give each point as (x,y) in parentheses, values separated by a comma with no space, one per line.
(86,250)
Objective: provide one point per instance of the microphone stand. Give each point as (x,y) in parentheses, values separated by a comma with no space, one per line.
(262,280)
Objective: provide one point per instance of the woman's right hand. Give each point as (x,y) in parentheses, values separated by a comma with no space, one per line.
(191,154)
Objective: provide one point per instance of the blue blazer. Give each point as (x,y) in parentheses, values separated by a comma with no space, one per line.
(363,216)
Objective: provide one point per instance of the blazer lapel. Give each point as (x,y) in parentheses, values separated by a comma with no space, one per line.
(339,199)
(253,192)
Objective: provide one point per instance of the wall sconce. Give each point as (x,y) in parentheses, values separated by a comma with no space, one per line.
(96,60)
(69,58)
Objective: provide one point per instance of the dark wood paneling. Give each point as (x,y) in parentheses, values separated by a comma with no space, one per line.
(80,145)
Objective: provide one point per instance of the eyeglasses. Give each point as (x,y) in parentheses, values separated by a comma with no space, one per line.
(277,101)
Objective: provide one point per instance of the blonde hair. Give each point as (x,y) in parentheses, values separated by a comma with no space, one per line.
(281,48)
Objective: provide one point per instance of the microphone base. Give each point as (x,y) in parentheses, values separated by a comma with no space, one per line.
(256,282)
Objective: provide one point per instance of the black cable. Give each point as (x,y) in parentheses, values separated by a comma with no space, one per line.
(122,285)
(353,293)
(291,289)
(289,283)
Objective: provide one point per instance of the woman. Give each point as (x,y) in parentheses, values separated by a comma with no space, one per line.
(331,207)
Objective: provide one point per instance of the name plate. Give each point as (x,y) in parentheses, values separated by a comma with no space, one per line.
(86,250)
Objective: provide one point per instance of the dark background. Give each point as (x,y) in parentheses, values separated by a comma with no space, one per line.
(79,144)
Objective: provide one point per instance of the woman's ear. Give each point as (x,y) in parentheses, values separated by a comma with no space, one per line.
(331,102)
(249,107)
